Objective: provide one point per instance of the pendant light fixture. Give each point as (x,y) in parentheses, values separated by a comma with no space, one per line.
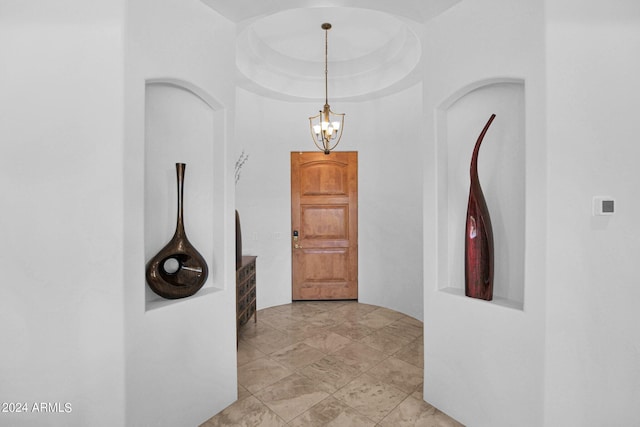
(326,127)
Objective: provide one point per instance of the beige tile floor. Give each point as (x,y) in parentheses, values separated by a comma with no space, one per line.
(326,363)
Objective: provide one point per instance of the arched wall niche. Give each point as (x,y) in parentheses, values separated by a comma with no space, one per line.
(195,90)
(501,168)
(183,124)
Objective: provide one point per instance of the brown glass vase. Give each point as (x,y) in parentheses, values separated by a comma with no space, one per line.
(478,244)
(178,270)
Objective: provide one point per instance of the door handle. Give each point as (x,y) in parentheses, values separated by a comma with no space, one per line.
(295,240)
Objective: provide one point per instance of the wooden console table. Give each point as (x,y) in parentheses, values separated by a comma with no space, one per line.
(246,292)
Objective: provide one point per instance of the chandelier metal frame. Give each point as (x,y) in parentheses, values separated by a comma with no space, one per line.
(326,126)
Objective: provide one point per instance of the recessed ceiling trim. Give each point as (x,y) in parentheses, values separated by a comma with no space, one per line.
(375,45)
(374,50)
(417,10)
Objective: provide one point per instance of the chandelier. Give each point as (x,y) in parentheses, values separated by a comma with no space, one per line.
(326,127)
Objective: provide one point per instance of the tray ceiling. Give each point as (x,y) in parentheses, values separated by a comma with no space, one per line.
(374,46)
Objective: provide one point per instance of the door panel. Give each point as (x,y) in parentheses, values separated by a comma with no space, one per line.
(324,219)
(325,265)
(325,222)
(324,178)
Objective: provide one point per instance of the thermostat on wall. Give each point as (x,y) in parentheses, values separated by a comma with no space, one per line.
(603,205)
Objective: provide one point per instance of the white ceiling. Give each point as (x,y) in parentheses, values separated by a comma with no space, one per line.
(374,45)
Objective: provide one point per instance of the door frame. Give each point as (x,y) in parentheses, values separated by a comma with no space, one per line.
(349,182)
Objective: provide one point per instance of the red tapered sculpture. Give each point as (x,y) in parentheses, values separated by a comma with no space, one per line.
(478,244)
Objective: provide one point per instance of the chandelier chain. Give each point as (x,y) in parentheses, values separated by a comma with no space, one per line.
(326,68)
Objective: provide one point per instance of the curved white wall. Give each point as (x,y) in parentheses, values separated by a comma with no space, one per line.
(386,133)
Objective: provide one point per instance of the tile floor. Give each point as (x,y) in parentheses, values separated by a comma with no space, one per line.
(326,363)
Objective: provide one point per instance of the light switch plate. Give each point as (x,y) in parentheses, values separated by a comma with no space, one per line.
(604,205)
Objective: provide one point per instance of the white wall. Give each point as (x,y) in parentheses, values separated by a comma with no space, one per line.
(181,355)
(593,323)
(386,133)
(61,311)
(72,339)
(484,363)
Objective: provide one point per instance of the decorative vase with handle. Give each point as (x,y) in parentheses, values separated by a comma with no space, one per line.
(478,245)
(178,270)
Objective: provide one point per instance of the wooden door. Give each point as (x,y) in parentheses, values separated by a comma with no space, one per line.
(324,225)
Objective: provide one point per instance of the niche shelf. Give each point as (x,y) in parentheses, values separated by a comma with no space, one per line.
(501,168)
(182,125)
